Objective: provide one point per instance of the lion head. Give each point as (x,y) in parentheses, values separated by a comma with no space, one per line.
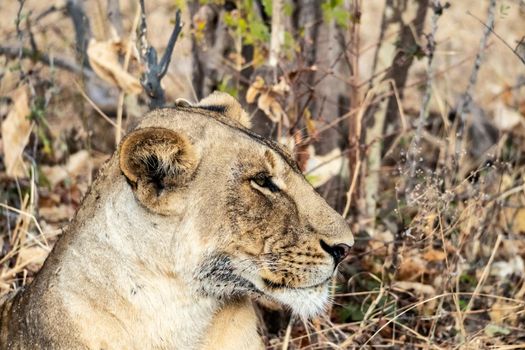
(232,208)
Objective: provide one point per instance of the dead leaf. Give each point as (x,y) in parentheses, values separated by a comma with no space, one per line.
(272,108)
(513,219)
(54,174)
(32,255)
(424,290)
(58,213)
(506,118)
(310,123)
(506,268)
(321,168)
(503,311)
(411,268)
(254,90)
(237,59)
(104,59)
(417,287)
(79,164)
(281,88)
(15,133)
(267,100)
(434,255)
(8,82)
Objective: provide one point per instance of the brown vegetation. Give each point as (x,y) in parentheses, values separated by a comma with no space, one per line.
(408,116)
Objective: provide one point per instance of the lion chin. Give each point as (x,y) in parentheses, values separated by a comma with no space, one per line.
(305,303)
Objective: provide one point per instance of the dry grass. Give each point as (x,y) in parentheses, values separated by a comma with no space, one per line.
(440,265)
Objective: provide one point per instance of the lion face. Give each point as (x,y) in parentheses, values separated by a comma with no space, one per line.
(280,238)
(257,227)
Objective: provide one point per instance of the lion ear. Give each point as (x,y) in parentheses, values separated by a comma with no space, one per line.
(156,160)
(227,105)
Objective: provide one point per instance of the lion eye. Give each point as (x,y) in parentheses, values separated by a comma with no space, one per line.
(265,181)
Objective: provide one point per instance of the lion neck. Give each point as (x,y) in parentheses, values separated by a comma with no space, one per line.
(136,264)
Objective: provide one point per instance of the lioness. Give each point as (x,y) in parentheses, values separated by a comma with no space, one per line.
(191,219)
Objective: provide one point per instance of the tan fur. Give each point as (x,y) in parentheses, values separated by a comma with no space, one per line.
(232,107)
(192,219)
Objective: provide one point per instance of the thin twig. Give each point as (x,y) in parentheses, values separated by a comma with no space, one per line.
(20,36)
(514,50)
(49,11)
(32,41)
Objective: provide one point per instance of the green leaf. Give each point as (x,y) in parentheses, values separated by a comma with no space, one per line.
(267,5)
(341,16)
(228,20)
(259,31)
(493,330)
(335,10)
(312,179)
(288,9)
(241,23)
(224,86)
(351,312)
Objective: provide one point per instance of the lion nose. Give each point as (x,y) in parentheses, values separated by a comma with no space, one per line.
(337,251)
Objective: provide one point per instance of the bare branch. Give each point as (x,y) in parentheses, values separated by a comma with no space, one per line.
(13,52)
(82,29)
(47,12)
(32,40)
(142,41)
(466,99)
(166,58)
(155,71)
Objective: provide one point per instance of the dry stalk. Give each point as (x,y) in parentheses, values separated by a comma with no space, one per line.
(33,218)
(286,340)
(485,273)
(404,312)
(355,124)
(357,168)
(127,57)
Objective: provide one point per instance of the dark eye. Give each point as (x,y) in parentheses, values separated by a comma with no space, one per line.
(265,181)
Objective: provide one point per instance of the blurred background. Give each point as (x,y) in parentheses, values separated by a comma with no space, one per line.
(407,116)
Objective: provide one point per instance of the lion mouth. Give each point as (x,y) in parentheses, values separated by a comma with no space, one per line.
(273,285)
